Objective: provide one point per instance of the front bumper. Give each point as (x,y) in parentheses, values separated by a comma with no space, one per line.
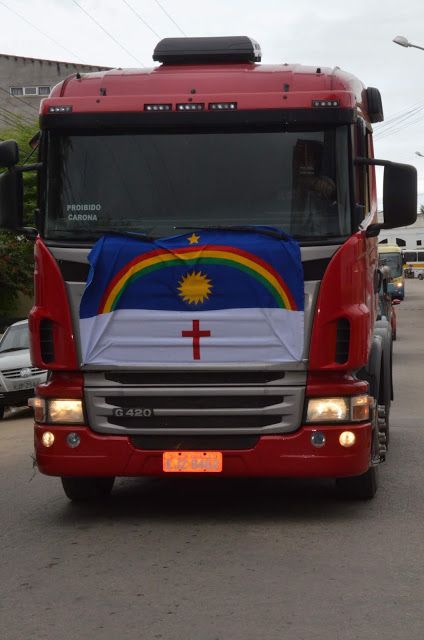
(290,455)
(15,398)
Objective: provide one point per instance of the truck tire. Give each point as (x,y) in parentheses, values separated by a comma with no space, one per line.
(87,489)
(362,487)
(1,413)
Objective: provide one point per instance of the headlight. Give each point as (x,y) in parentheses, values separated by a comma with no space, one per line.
(65,412)
(354,409)
(57,411)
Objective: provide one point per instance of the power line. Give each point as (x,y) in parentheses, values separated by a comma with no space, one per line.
(400,117)
(141,19)
(29,106)
(415,118)
(39,30)
(107,32)
(17,118)
(403,120)
(170,17)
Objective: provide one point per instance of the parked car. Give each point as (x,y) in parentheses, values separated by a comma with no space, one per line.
(18,377)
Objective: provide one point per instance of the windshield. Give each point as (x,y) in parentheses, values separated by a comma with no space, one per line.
(15,338)
(158,182)
(393,261)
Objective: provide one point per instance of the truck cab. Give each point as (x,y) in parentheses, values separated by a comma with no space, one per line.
(210,140)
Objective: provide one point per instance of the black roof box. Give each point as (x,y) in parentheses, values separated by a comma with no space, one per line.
(207,50)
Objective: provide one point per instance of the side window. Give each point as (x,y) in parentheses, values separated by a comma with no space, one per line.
(409,256)
(420,256)
(363,172)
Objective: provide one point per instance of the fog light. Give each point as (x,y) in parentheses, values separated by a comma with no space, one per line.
(47,439)
(73,440)
(318,439)
(347,439)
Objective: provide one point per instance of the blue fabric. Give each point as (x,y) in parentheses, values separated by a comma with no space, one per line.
(228,287)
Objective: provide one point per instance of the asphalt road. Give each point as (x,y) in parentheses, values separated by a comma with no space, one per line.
(221,559)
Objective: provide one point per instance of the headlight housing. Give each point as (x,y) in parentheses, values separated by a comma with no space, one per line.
(57,411)
(345,409)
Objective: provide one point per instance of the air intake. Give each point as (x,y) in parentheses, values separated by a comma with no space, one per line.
(207,50)
(46,340)
(342,340)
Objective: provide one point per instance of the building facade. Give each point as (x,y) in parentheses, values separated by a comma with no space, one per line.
(24,82)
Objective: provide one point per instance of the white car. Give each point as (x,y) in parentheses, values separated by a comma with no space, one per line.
(17,375)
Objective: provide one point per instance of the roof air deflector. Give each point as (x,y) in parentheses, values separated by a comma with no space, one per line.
(207,50)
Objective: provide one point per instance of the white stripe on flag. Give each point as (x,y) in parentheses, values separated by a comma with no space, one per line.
(139,336)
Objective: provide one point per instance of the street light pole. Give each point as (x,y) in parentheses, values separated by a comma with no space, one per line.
(404,42)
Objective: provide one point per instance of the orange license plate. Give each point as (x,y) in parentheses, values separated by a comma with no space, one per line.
(192,461)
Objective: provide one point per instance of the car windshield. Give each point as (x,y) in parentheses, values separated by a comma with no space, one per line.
(156,183)
(393,261)
(15,338)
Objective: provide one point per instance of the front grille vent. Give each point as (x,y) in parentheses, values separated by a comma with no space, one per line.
(202,410)
(194,443)
(342,340)
(46,340)
(15,374)
(194,378)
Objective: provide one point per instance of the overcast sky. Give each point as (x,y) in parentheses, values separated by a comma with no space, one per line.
(356,36)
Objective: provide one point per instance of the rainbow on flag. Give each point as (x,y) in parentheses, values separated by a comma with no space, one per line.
(205,296)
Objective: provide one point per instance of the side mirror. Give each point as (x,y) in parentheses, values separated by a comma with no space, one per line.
(396,301)
(399,195)
(11,200)
(9,154)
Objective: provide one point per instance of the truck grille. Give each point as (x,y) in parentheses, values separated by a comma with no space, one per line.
(15,374)
(187,410)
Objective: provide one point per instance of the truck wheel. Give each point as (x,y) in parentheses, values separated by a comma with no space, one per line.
(362,487)
(420,276)
(87,489)
(384,423)
(1,413)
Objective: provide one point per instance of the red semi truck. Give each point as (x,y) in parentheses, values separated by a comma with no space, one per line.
(208,141)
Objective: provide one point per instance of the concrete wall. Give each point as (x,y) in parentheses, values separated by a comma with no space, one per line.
(24,73)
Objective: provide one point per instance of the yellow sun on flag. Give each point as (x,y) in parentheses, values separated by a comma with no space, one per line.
(194,287)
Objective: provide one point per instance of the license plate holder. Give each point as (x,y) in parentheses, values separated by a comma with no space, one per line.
(192,461)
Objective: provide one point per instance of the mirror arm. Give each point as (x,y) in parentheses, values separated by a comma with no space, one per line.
(373,230)
(373,162)
(29,232)
(28,167)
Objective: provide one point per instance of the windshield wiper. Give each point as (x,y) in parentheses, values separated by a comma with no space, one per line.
(13,349)
(274,233)
(99,233)
(139,235)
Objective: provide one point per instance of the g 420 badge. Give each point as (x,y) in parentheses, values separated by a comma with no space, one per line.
(133,412)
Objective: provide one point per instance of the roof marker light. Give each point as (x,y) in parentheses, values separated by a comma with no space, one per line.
(325,103)
(223,106)
(191,106)
(158,107)
(60,109)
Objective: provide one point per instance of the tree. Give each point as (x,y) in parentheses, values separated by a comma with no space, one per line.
(16,252)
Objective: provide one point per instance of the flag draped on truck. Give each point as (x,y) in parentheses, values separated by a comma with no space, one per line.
(202,297)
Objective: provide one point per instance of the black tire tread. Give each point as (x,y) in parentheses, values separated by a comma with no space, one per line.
(81,489)
(363,487)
